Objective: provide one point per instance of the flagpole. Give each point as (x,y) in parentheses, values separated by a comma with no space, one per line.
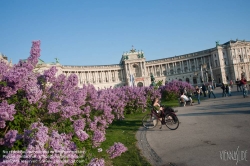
(212,76)
(202,74)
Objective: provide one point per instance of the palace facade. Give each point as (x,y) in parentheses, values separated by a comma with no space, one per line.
(220,64)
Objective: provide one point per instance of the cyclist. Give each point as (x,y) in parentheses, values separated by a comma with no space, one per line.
(162,111)
(158,107)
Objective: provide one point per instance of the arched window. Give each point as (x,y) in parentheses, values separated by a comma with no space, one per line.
(140,84)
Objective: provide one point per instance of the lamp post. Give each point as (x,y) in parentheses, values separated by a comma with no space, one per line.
(204,66)
(196,76)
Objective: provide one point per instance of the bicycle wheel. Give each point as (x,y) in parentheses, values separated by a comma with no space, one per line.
(149,121)
(171,121)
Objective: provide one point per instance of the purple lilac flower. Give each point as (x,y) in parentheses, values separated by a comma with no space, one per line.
(97,162)
(13,158)
(64,149)
(98,137)
(79,124)
(116,150)
(53,107)
(6,113)
(10,138)
(50,74)
(82,135)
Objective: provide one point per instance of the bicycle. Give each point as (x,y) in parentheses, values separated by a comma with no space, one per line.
(170,119)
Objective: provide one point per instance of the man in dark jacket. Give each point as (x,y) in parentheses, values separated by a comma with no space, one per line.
(238,83)
(204,90)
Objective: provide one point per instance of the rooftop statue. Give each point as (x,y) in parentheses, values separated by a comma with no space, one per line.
(152,80)
(132,50)
(217,43)
(57,60)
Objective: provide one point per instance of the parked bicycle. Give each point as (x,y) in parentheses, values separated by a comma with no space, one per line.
(170,119)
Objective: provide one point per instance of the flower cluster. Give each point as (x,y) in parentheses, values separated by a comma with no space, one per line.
(10,138)
(97,162)
(6,113)
(18,76)
(116,150)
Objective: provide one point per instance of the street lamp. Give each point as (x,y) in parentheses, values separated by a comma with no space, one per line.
(196,76)
(204,66)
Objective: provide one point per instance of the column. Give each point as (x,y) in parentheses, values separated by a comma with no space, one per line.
(128,69)
(197,65)
(96,77)
(103,76)
(183,71)
(122,75)
(116,76)
(169,69)
(161,71)
(174,67)
(87,76)
(140,71)
(166,69)
(145,69)
(190,66)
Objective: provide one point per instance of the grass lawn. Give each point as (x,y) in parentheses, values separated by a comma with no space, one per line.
(124,131)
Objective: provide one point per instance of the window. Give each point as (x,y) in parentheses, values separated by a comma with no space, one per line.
(193,68)
(225,61)
(178,70)
(194,80)
(216,63)
(164,72)
(214,55)
(241,59)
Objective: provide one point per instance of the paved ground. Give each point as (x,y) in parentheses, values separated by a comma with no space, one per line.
(207,135)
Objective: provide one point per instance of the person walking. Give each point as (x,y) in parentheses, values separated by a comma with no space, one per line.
(238,83)
(228,90)
(204,89)
(231,84)
(223,90)
(198,94)
(210,91)
(243,82)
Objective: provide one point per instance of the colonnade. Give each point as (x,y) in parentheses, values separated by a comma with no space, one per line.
(178,67)
(99,76)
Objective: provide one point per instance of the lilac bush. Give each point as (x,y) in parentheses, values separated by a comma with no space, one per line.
(50,118)
(172,89)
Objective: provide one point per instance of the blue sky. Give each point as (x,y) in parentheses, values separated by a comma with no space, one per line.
(97,32)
